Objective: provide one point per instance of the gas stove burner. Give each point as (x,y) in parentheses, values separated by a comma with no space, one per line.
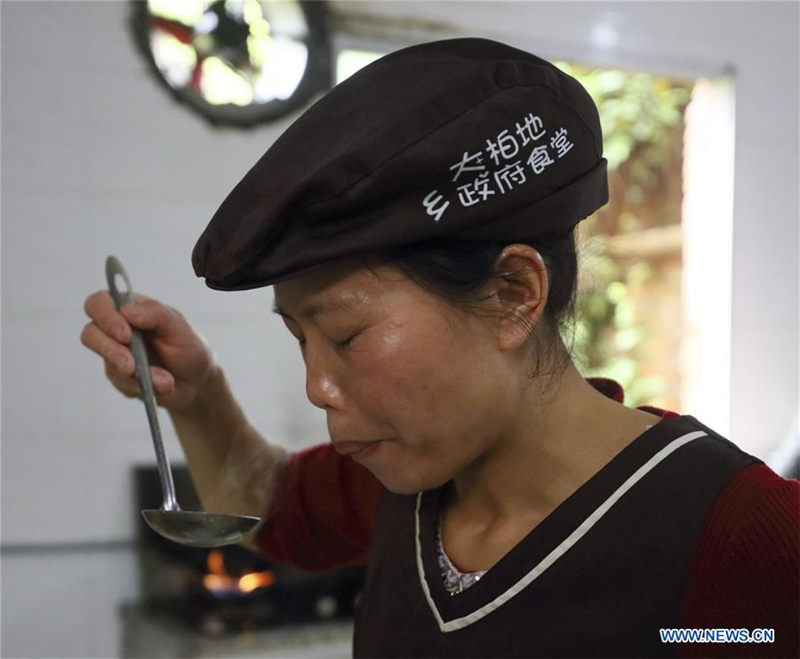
(230,589)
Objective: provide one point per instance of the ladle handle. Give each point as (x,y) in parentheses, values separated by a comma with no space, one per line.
(121,297)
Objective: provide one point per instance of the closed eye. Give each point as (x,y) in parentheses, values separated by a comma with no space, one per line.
(339,344)
(346,343)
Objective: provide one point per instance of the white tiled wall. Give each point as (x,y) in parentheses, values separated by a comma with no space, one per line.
(97,159)
(60,604)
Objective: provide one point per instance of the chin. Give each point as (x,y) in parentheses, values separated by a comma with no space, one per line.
(400,483)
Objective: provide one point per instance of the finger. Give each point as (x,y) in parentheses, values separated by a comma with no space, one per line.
(126,384)
(109,349)
(163,382)
(101,309)
(151,315)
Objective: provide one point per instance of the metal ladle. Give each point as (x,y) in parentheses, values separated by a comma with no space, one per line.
(186,527)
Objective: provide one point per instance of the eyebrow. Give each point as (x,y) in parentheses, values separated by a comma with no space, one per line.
(315,308)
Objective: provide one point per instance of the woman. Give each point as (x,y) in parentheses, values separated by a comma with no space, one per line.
(418,226)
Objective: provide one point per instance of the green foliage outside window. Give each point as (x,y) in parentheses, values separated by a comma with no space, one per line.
(642,120)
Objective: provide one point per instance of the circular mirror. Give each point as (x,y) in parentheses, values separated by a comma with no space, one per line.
(236,62)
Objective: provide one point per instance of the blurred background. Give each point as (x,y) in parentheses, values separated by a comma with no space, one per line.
(125,125)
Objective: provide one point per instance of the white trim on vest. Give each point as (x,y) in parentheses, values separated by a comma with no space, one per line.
(553,556)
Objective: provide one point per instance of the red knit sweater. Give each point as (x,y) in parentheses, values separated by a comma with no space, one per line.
(745,572)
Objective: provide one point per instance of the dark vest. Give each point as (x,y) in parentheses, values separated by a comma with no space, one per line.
(597,577)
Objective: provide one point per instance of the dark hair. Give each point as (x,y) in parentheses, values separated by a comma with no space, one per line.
(457,270)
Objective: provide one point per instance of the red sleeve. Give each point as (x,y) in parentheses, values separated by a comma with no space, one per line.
(746,571)
(323,512)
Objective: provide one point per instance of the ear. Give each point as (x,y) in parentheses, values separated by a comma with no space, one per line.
(521,290)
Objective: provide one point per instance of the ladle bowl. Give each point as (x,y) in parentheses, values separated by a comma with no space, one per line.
(187,527)
(199,529)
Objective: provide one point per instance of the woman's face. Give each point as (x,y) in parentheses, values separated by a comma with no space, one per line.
(412,389)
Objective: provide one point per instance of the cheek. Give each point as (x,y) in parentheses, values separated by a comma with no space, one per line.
(433,394)
(411,364)
(428,383)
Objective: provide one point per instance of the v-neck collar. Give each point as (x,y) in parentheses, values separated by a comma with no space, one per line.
(552,537)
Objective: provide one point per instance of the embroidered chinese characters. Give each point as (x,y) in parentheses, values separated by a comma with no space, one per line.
(498,168)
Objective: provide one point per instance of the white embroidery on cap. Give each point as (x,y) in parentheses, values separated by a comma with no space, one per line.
(465,166)
(539,159)
(506,145)
(560,142)
(477,191)
(508,175)
(434,205)
(525,131)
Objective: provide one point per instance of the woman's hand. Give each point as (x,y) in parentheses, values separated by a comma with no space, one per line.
(180,361)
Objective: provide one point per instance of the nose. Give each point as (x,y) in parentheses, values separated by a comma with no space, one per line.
(322,389)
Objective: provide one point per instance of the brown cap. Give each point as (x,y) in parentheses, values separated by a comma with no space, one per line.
(464,139)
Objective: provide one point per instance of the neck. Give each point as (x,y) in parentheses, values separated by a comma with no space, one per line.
(548,451)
